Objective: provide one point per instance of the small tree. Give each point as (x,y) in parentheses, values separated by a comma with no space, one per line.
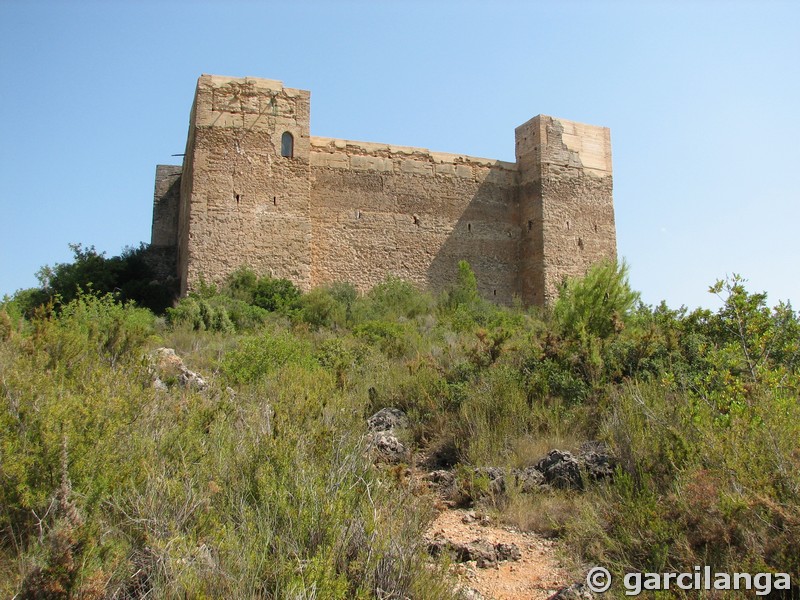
(597,304)
(465,291)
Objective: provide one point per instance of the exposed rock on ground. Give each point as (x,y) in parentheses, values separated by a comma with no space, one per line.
(169,368)
(383,440)
(577,591)
(387,419)
(482,552)
(529,479)
(596,460)
(388,447)
(497,479)
(561,470)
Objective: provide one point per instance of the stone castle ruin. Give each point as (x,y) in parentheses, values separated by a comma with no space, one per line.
(257,189)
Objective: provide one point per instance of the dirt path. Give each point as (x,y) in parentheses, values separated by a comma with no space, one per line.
(535,576)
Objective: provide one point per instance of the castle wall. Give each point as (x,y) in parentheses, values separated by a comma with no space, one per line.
(166,200)
(379,210)
(338,210)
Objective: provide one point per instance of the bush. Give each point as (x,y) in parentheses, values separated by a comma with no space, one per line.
(129,276)
(391,299)
(321,308)
(275,294)
(596,305)
(257,356)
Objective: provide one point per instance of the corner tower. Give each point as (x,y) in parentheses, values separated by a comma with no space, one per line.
(245,186)
(566,207)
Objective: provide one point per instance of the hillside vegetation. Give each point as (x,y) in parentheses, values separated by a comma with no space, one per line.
(258,483)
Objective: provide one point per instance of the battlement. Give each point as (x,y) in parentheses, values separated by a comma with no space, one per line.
(257,189)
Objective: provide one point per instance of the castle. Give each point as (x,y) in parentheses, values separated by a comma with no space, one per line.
(257,189)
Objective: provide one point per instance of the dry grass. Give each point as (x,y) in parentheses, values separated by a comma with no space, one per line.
(546,513)
(527,450)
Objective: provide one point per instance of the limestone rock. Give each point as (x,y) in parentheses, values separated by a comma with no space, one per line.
(497,479)
(596,460)
(577,591)
(387,447)
(168,366)
(387,419)
(529,479)
(443,482)
(468,593)
(561,470)
(508,552)
(483,552)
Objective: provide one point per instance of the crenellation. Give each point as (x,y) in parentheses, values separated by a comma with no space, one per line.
(343,210)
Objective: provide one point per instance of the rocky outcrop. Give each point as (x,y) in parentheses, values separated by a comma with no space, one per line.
(529,479)
(387,419)
(382,440)
(169,369)
(496,477)
(484,553)
(561,470)
(596,460)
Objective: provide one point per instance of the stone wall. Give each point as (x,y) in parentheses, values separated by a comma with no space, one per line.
(338,210)
(166,199)
(379,209)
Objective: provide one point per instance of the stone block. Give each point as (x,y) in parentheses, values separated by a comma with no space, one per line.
(463,171)
(371,163)
(416,167)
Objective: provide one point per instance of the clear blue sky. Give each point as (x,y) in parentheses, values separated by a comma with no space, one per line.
(702,99)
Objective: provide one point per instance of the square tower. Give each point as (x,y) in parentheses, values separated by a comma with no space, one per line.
(245,186)
(566,205)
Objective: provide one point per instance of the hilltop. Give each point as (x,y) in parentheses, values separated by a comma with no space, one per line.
(257,441)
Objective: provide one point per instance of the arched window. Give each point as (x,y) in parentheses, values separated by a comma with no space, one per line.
(287,145)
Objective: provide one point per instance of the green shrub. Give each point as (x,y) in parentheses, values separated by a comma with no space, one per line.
(275,294)
(391,299)
(393,339)
(200,314)
(494,413)
(321,308)
(258,356)
(597,304)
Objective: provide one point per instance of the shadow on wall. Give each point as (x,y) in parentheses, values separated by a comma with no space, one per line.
(486,233)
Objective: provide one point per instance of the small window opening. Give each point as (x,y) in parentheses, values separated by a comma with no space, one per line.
(287,145)
(237,198)
(530,225)
(495,292)
(416,219)
(568,226)
(358,214)
(580,243)
(595,227)
(275,201)
(469,226)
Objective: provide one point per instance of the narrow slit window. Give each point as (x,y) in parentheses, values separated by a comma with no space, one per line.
(287,145)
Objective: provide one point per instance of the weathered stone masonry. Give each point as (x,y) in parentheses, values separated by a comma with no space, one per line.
(337,210)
